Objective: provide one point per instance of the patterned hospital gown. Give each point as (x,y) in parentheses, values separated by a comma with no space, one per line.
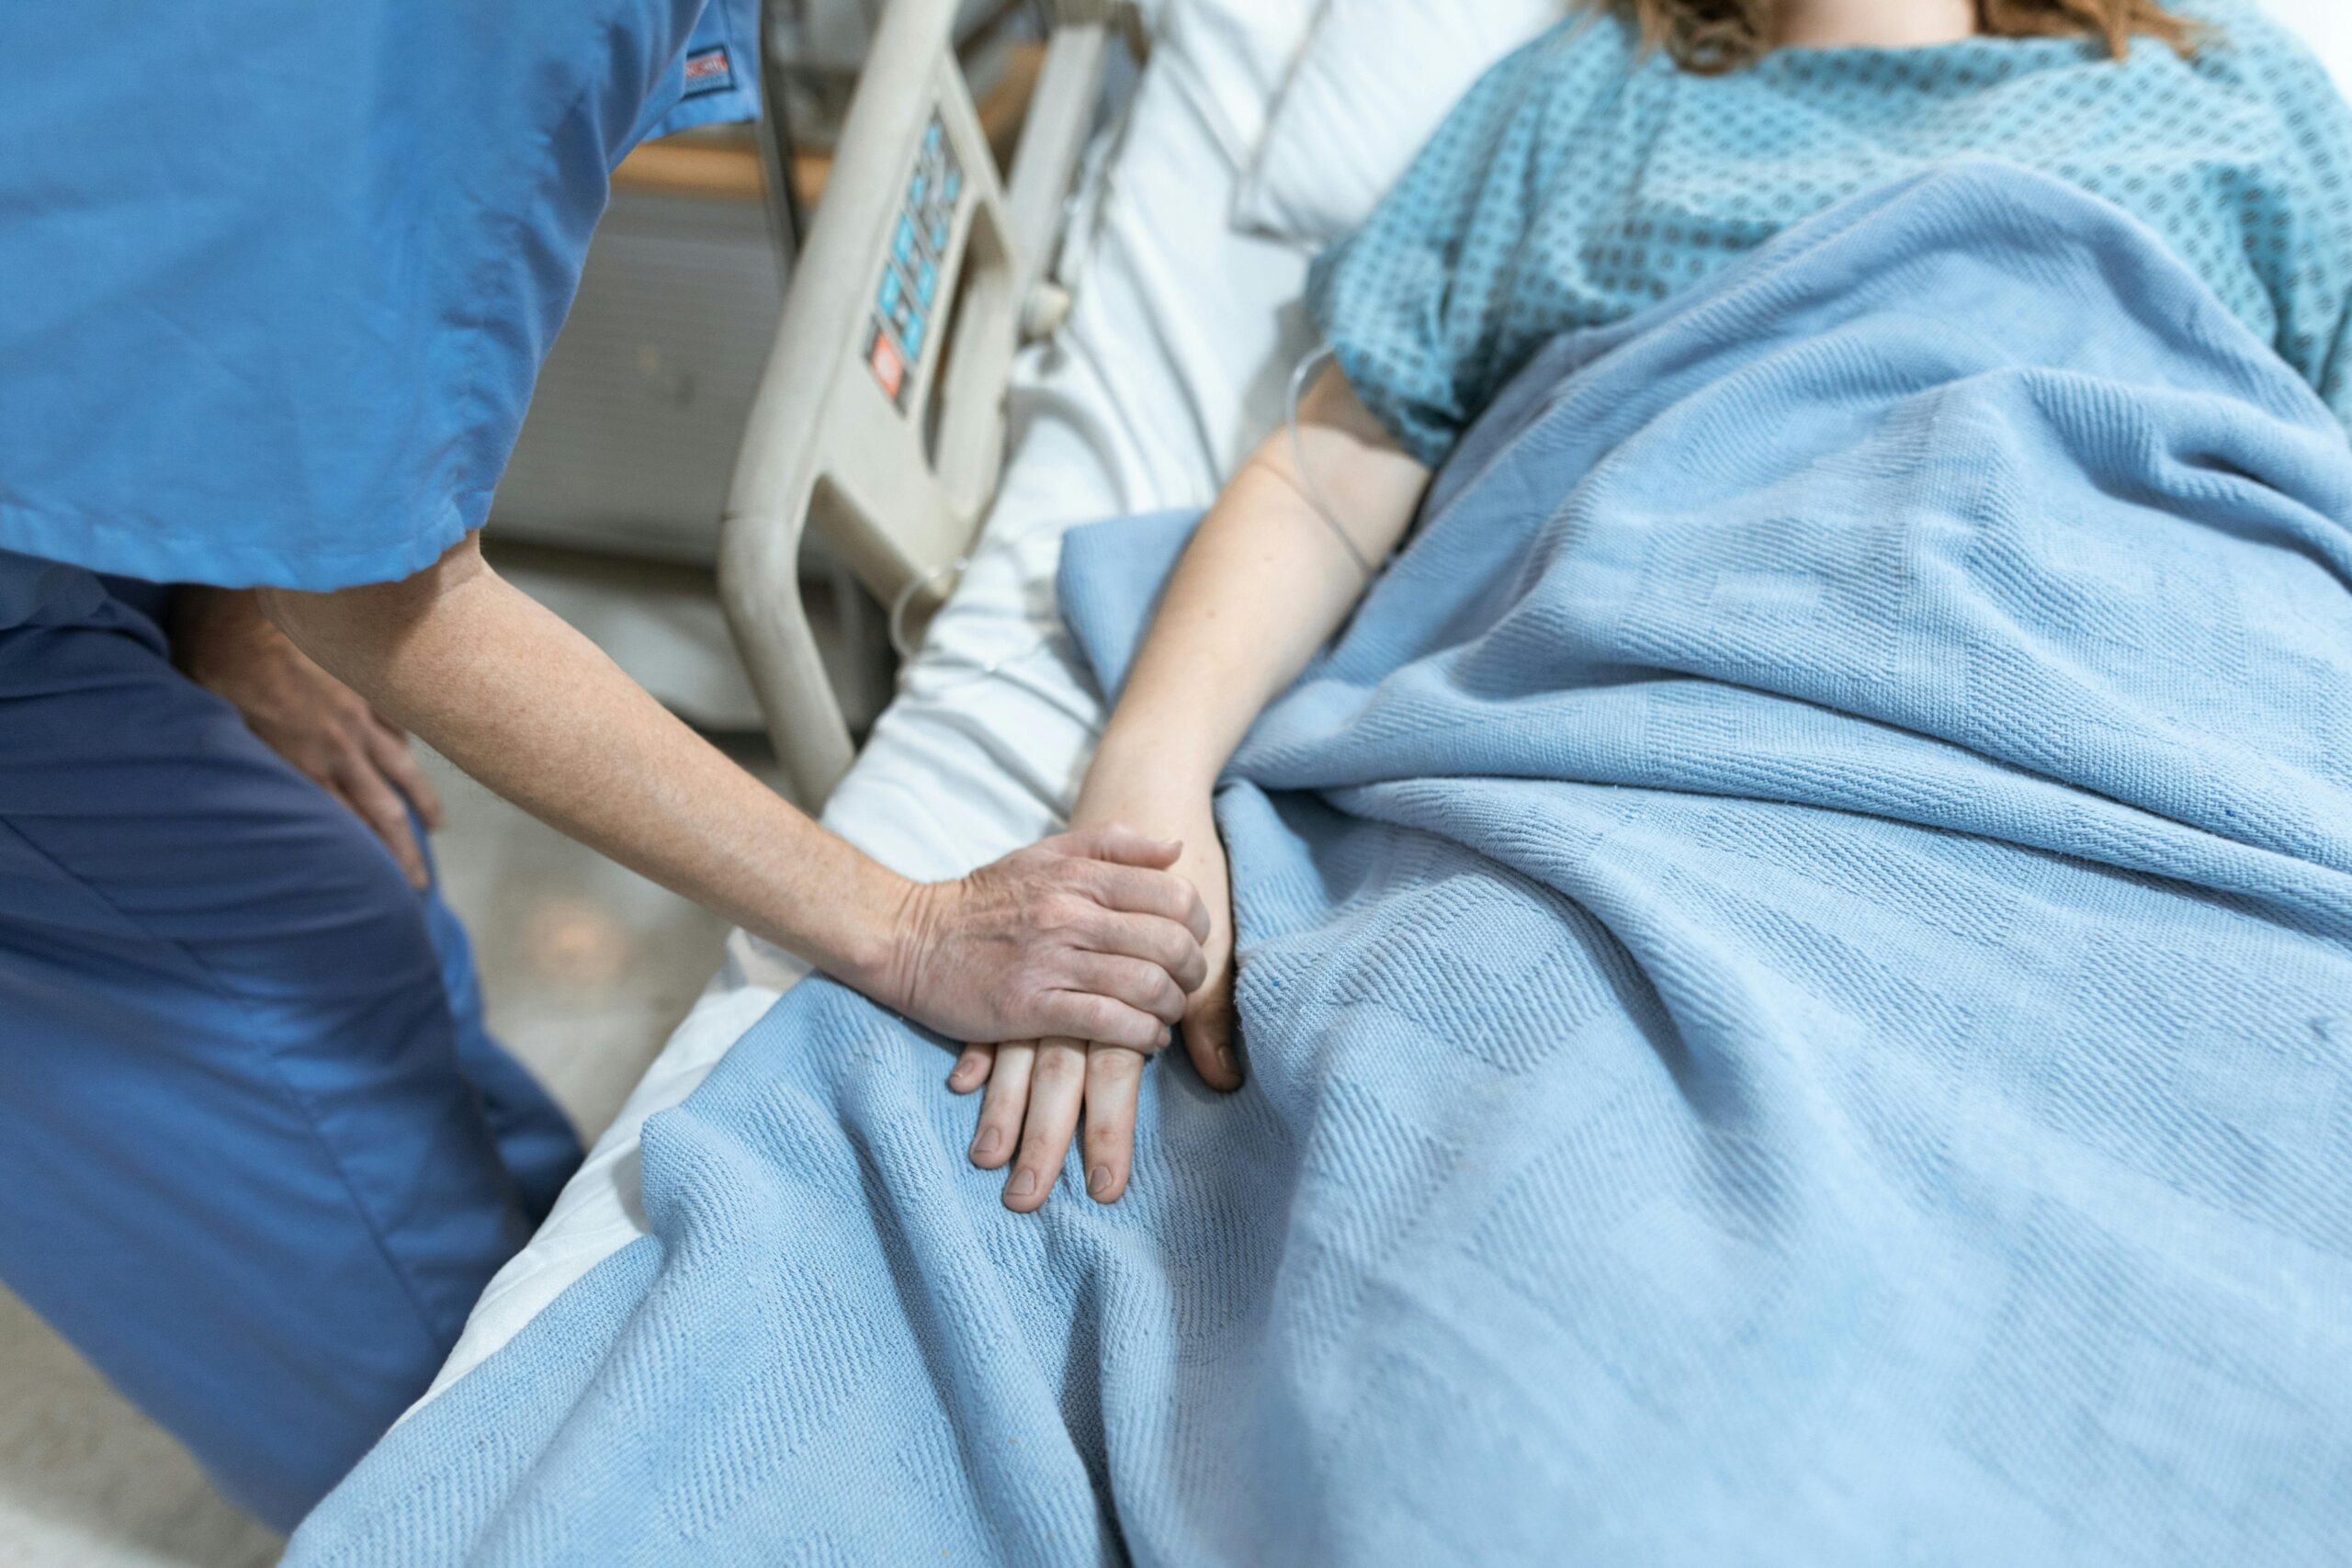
(1582,180)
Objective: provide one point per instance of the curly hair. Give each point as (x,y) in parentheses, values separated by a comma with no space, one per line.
(1716,36)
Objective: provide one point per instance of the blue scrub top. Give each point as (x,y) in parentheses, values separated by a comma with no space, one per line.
(277,277)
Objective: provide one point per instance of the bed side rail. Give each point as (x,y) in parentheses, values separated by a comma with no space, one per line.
(880,418)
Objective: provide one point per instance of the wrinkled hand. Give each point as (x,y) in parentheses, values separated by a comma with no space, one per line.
(1037,1090)
(327,730)
(1085,934)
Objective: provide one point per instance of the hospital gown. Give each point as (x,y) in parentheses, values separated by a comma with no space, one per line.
(1583,180)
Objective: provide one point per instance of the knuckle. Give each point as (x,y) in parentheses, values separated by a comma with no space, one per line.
(1160,892)
(1178,950)
(1160,998)
(1059,914)
(1124,1026)
(1121,1071)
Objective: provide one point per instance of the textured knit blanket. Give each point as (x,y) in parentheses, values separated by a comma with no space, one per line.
(1796,964)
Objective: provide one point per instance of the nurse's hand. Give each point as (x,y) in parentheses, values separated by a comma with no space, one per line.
(223,643)
(1086,934)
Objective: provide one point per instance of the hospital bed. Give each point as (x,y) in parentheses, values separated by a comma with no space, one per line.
(1101,341)
(1171,361)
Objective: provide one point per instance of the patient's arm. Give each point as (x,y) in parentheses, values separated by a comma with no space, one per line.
(1263,585)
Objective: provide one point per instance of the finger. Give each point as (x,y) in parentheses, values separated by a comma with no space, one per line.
(1168,947)
(1121,846)
(1208,1030)
(971,1068)
(326,783)
(1155,893)
(383,810)
(1088,1015)
(1114,1082)
(389,748)
(1006,1106)
(1056,1086)
(1143,986)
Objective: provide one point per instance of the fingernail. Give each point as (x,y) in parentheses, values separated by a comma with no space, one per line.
(1024,1184)
(1225,1059)
(1099,1182)
(988,1140)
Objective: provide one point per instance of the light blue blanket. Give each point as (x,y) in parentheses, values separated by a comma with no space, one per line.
(1797,973)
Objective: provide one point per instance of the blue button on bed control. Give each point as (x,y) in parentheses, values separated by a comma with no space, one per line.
(891,290)
(951,185)
(939,236)
(912,334)
(915,191)
(926,284)
(903,247)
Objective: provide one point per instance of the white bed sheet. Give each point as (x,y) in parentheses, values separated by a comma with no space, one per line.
(1173,364)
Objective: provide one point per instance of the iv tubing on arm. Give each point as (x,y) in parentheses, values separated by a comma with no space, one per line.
(1263,586)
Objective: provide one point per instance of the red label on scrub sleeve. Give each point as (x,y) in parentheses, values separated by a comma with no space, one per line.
(709,71)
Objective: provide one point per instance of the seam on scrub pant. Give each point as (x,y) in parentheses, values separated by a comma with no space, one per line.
(294,1097)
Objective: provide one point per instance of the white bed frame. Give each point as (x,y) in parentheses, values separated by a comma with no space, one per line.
(898,488)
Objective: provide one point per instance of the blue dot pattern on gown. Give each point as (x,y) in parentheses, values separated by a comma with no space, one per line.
(1583,179)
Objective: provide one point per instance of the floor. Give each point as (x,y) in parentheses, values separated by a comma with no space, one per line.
(586,968)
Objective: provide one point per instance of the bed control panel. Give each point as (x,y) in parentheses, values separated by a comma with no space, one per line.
(906,300)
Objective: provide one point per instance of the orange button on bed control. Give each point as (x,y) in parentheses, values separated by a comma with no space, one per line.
(889,365)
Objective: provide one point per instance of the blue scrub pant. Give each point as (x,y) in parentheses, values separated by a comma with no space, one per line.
(257,1155)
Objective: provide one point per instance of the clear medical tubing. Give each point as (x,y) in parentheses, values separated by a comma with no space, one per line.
(1323,508)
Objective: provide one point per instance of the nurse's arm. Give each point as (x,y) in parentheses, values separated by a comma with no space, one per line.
(1086,935)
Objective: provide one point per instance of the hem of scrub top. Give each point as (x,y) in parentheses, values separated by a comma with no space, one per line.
(116,550)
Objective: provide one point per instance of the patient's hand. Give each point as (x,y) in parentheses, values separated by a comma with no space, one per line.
(1036,1090)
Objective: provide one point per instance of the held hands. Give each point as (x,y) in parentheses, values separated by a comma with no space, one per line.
(1036,1089)
(223,643)
(1085,934)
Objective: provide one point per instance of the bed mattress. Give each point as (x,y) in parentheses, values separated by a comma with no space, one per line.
(1173,364)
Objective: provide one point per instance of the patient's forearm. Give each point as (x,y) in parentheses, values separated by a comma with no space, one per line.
(1263,586)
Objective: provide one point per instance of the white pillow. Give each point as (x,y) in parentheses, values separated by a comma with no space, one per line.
(1231,58)
(1372,88)
(1378,76)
